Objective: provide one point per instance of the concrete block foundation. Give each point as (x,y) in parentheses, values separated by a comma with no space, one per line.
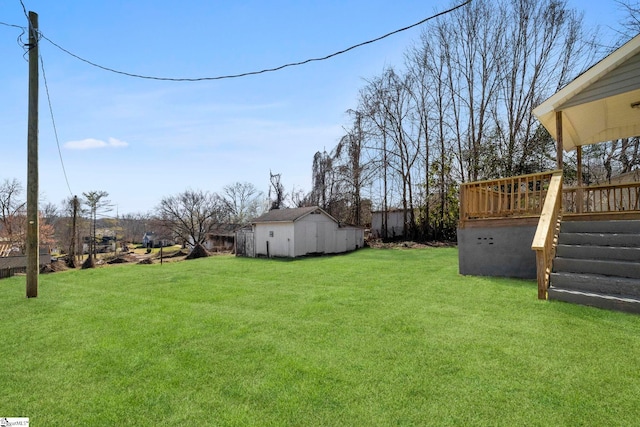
(501,251)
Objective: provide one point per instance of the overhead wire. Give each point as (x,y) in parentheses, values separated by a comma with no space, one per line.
(12,25)
(19,38)
(266,70)
(40,36)
(53,121)
(37,36)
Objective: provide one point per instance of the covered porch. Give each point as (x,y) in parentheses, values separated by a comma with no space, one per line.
(502,220)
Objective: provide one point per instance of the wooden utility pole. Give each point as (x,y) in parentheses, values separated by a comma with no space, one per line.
(33,238)
(71,260)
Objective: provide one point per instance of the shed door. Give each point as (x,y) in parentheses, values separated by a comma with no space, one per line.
(320,233)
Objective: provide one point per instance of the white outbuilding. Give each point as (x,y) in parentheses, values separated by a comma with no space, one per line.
(301,231)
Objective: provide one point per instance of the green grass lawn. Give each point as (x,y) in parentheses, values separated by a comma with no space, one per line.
(375,337)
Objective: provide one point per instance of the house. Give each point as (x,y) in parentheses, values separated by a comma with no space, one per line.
(152,239)
(221,237)
(581,243)
(148,239)
(297,232)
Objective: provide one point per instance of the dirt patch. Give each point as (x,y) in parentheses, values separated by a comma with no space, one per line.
(53,267)
(176,254)
(379,244)
(88,263)
(198,251)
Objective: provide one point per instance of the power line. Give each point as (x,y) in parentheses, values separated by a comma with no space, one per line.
(24,9)
(53,121)
(19,38)
(266,70)
(229,76)
(12,25)
(37,37)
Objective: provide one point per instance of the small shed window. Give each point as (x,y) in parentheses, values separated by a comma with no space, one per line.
(270,233)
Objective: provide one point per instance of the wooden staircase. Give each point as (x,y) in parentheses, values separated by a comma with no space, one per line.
(597,263)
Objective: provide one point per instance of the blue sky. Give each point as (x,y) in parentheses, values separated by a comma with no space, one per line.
(141,140)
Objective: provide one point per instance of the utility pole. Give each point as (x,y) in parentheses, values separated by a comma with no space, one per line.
(71,258)
(33,237)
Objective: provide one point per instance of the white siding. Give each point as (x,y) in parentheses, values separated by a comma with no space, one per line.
(350,239)
(281,244)
(342,240)
(311,234)
(314,234)
(623,79)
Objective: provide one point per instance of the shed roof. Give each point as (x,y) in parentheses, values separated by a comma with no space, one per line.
(289,215)
(599,104)
(224,229)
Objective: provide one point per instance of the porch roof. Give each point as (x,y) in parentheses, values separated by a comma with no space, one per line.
(601,104)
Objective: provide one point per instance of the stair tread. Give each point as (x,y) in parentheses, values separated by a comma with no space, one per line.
(623,253)
(596,283)
(626,248)
(604,261)
(595,294)
(599,232)
(595,276)
(626,240)
(624,298)
(597,263)
(622,226)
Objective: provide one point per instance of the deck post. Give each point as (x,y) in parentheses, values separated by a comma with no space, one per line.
(541,268)
(579,192)
(559,140)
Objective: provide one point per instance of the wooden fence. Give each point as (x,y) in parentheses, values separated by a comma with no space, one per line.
(12,265)
(245,244)
(8,272)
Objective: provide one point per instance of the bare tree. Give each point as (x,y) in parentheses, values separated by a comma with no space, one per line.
(12,211)
(631,23)
(96,202)
(70,214)
(322,180)
(13,218)
(435,113)
(377,146)
(277,195)
(352,170)
(243,202)
(134,225)
(461,111)
(542,49)
(606,160)
(471,40)
(191,215)
(401,131)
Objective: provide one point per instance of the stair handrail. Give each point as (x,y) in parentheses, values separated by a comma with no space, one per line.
(544,241)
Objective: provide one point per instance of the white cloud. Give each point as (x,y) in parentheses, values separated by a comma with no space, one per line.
(91,143)
(117,143)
